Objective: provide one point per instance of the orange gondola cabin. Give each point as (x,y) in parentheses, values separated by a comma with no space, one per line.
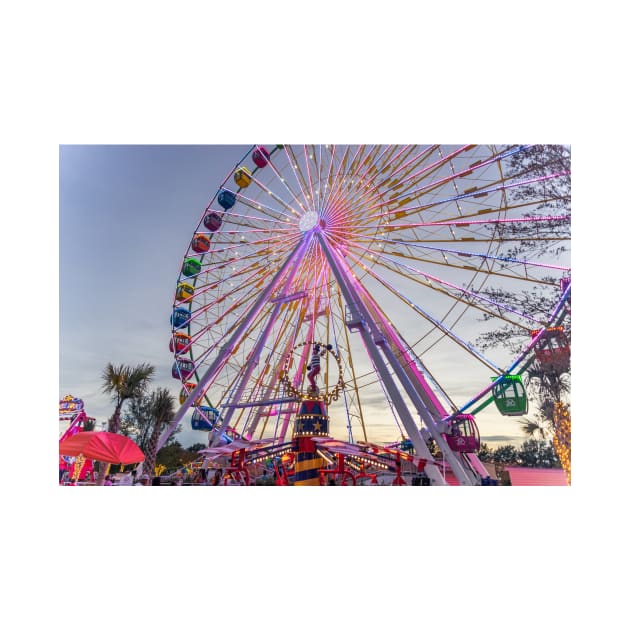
(200,243)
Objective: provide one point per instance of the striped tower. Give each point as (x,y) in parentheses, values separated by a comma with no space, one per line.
(311,421)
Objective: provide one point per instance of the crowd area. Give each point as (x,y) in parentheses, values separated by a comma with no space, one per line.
(201,477)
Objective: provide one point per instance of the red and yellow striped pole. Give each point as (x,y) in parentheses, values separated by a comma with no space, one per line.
(311,421)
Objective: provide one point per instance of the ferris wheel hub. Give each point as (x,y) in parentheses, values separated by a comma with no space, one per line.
(309,220)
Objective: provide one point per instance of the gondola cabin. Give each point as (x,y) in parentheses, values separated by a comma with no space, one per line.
(182,369)
(180,317)
(406,445)
(260,157)
(184,291)
(204,418)
(185,391)
(200,243)
(191,267)
(179,343)
(242,177)
(462,434)
(552,349)
(226,199)
(509,395)
(212,221)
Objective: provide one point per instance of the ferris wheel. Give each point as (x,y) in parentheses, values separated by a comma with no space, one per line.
(397,259)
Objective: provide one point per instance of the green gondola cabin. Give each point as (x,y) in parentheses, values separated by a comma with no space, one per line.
(191,267)
(509,395)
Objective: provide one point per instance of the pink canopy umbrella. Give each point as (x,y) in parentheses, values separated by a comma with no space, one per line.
(111,448)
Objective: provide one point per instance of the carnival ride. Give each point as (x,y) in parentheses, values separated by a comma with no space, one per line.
(350,247)
(72,420)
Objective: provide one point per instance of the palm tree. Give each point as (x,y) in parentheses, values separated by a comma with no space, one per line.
(124,382)
(162,405)
(540,428)
(548,384)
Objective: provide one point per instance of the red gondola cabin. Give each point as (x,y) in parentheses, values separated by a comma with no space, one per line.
(179,343)
(260,157)
(212,221)
(552,349)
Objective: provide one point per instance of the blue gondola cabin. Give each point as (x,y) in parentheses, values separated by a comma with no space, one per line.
(226,199)
(406,445)
(182,369)
(204,418)
(180,317)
